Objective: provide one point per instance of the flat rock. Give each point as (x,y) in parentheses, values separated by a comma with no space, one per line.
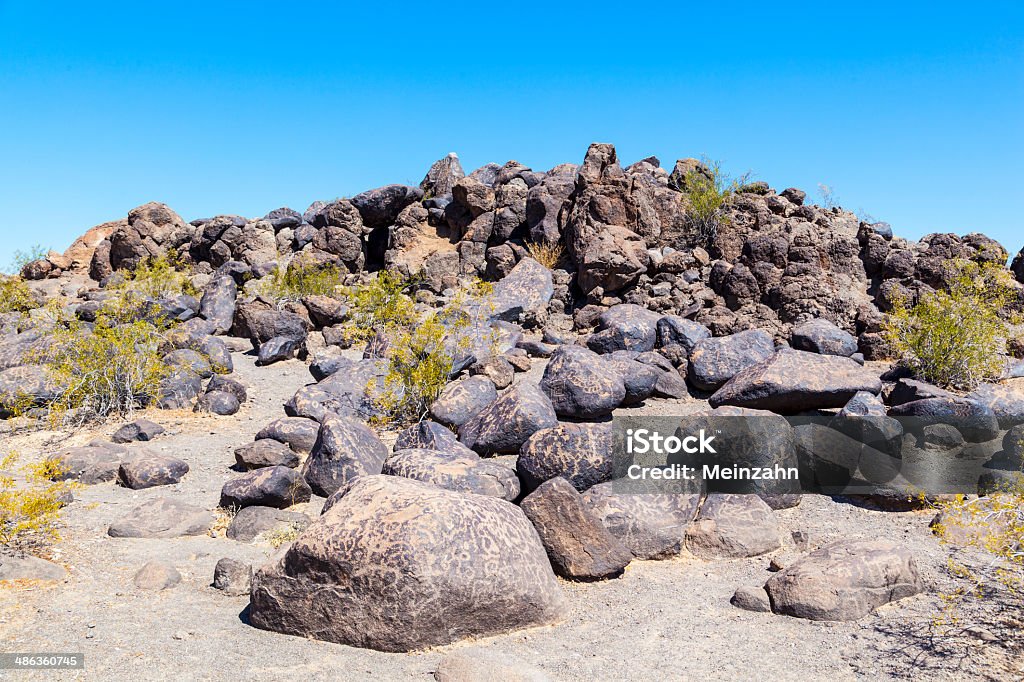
(1006,400)
(156,576)
(162,518)
(796,381)
(403,583)
(460,473)
(277,486)
(714,361)
(845,581)
(577,543)
(976,421)
(91,464)
(733,526)
(823,337)
(15,566)
(527,288)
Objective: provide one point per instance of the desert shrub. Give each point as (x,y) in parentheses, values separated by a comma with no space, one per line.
(423,352)
(284,535)
(23,258)
(15,296)
(827,196)
(549,254)
(381,305)
(707,191)
(987,570)
(957,337)
(299,279)
(163,276)
(30,510)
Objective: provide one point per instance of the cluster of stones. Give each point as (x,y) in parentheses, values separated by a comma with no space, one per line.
(460,528)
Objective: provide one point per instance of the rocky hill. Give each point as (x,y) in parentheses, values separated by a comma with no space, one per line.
(500,506)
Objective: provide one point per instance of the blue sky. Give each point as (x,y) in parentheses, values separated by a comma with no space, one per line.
(913,114)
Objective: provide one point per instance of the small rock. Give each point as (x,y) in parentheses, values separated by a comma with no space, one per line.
(232,577)
(751,599)
(149,470)
(156,576)
(276,486)
(138,430)
(265,453)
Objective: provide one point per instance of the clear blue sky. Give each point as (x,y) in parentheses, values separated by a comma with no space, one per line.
(912,113)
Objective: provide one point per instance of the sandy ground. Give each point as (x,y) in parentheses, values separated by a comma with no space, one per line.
(666,620)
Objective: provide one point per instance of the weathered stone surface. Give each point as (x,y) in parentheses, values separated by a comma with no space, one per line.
(156,576)
(178,390)
(138,430)
(580,453)
(625,327)
(278,486)
(277,349)
(92,464)
(218,303)
(428,435)
(845,581)
(527,289)
(442,176)
(796,381)
(251,523)
(462,400)
(824,337)
(639,379)
(582,385)
(675,330)
(265,452)
(496,368)
(344,450)
(401,585)
(232,577)
(714,361)
(505,424)
(218,402)
(455,471)
(380,207)
(1006,400)
(651,525)
(26,386)
(579,546)
(977,422)
(751,599)
(162,518)
(298,433)
(908,390)
(14,566)
(227,385)
(732,526)
(148,470)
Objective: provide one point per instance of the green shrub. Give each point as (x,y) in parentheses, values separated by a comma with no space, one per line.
(381,305)
(955,338)
(15,296)
(29,511)
(158,277)
(23,258)
(707,191)
(300,279)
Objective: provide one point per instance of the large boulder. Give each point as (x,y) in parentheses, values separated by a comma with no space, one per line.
(527,289)
(399,584)
(442,176)
(713,361)
(218,303)
(1006,400)
(454,471)
(91,464)
(507,423)
(148,470)
(797,381)
(298,433)
(976,421)
(579,546)
(583,454)
(845,581)
(344,450)
(152,230)
(276,486)
(581,384)
(380,207)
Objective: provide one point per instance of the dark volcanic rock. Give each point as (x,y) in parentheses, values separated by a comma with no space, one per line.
(408,586)
(218,303)
(580,453)
(345,450)
(298,433)
(380,207)
(579,546)
(845,581)
(1006,400)
(265,453)
(428,435)
(625,327)
(277,486)
(675,330)
(651,525)
(148,470)
(714,361)
(639,379)
(462,400)
(527,289)
(277,349)
(505,424)
(732,526)
(582,385)
(250,523)
(218,402)
(162,518)
(138,430)
(796,381)
(232,577)
(824,337)
(976,421)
